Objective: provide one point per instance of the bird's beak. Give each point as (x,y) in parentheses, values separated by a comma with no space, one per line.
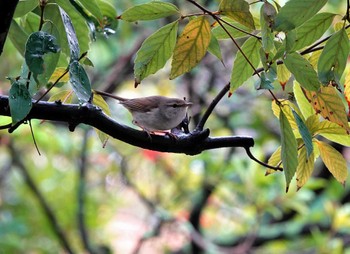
(188,104)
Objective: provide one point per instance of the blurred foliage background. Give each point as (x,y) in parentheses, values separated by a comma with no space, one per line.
(122,199)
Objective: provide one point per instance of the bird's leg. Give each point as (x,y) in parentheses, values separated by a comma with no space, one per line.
(144,129)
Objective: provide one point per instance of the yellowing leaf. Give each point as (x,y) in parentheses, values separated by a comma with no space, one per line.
(64,96)
(303,103)
(283,75)
(100,102)
(334,161)
(287,109)
(329,105)
(347,89)
(237,10)
(149,11)
(274,160)
(305,167)
(191,46)
(58,73)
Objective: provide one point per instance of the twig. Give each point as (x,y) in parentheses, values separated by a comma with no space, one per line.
(211,107)
(250,155)
(42,201)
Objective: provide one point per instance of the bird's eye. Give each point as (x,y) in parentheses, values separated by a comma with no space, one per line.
(174,105)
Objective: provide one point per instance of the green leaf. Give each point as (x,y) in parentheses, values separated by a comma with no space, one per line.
(92,7)
(237,10)
(25,6)
(50,60)
(304,132)
(289,152)
(290,40)
(155,51)
(38,44)
(109,15)
(20,101)
(242,70)
(334,161)
(18,37)
(296,12)
(312,29)
(214,48)
(235,29)
(80,81)
(302,71)
(332,61)
(30,22)
(266,21)
(149,11)
(74,33)
(264,82)
(191,46)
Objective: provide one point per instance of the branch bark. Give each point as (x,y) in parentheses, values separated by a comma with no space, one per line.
(73,114)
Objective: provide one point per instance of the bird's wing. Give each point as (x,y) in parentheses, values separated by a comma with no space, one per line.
(141,105)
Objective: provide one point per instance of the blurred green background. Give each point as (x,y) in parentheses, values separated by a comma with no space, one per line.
(140,201)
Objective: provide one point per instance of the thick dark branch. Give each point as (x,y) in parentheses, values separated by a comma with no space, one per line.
(191,144)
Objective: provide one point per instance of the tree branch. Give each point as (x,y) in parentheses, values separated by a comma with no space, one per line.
(73,114)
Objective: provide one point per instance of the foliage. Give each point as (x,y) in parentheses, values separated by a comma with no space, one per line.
(294,19)
(291,48)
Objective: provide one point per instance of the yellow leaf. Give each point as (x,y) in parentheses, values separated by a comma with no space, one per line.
(313,59)
(64,96)
(329,105)
(305,167)
(191,46)
(347,89)
(237,10)
(287,105)
(283,75)
(58,73)
(306,109)
(100,102)
(334,161)
(274,160)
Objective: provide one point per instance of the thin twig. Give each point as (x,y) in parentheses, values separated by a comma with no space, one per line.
(58,80)
(211,107)
(250,155)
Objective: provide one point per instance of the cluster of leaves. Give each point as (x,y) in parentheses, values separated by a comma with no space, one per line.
(284,42)
(51,37)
